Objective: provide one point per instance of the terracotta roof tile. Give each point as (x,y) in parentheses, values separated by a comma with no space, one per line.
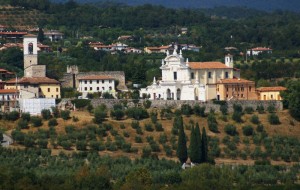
(8,91)
(96,77)
(208,65)
(234,80)
(33,80)
(272,88)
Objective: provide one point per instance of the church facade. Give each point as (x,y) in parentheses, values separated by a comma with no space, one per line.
(184,80)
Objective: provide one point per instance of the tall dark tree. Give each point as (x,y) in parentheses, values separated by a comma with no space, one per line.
(41,36)
(181,148)
(193,146)
(199,143)
(204,154)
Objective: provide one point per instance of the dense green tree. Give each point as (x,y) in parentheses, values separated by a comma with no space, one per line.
(292,95)
(204,155)
(181,147)
(193,149)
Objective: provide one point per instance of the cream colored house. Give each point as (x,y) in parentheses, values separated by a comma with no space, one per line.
(270,93)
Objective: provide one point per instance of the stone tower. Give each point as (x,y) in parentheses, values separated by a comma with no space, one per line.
(31,67)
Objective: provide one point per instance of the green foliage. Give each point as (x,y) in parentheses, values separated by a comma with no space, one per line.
(138,139)
(254,119)
(100,114)
(204,147)
(22,124)
(237,116)
(292,97)
(212,123)
(181,147)
(149,127)
(36,121)
(260,128)
(199,111)
(248,130)
(107,95)
(271,109)
(46,114)
(230,129)
(65,114)
(147,104)
(137,113)
(260,109)
(25,116)
(55,112)
(224,109)
(117,114)
(52,122)
(186,109)
(273,119)
(237,108)
(13,116)
(249,110)
(81,103)
(153,117)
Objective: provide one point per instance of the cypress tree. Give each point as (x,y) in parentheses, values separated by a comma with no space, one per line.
(193,149)
(181,148)
(199,143)
(204,154)
(41,36)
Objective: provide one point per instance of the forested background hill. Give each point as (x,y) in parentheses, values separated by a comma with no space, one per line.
(268,5)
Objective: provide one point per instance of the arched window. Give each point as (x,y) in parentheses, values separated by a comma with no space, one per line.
(30,48)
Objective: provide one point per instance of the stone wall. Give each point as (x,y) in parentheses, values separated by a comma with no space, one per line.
(67,80)
(177,104)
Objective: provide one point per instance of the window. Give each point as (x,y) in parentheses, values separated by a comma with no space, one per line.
(85,82)
(227,89)
(48,89)
(102,81)
(109,81)
(56,96)
(272,96)
(226,75)
(192,76)
(25,86)
(103,88)
(242,95)
(40,90)
(51,96)
(56,89)
(97,81)
(209,74)
(110,88)
(85,88)
(91,81)
(91,88)
(97,88)
(250,88)
(242,89)
(175,75)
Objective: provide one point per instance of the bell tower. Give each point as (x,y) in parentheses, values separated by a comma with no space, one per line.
(31,67)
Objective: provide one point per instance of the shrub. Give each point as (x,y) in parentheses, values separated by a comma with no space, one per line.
(224,109)
(46,114)
(55,112)
(273,119)
(65,114)
(212,123)
(26,116)
(22,124)
(260,109)
(122,126)
(248,130)
(126,134)
(148,127)
(42,143)
(81,103)
(66,144)
(230,129)
(186,109)
(13,116)
(139,131)
(100,114)
(138,139)
(90,108)
(69,129)
(75,119)
(163,139)
(199,111)
(137,113)
(135,124)
(147,104)
(153,117)
(36,121)
(271,108)
(249,110)
(52,122)
(118,114)
(158,127)
(237,108)
(237,116)
(146,152)
(260,128)
(254,119)
(81,145)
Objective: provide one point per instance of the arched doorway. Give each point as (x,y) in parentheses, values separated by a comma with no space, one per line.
(168,94)
(178,94)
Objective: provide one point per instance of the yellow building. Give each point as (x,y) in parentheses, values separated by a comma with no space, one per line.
(35,87)
(270,93)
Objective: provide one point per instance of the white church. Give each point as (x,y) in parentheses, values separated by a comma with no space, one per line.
(184,80)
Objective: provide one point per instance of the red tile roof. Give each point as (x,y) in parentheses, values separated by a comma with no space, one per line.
(13,33)
(272,88)
(33,80)
(234,80)
(95,77)
(8,91)
(208,65)
(261,49)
